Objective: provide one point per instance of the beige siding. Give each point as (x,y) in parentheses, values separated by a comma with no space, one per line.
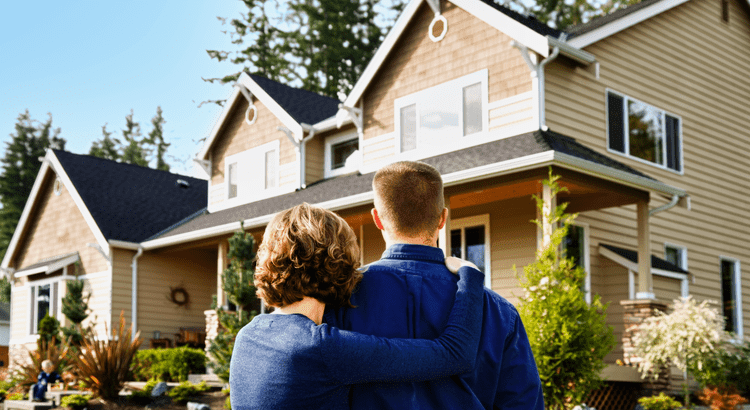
(512,113)
(416,63)
(314,167)
(56,227)
(689,63)
(237,136)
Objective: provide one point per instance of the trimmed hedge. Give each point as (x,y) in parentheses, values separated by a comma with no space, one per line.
(171,365)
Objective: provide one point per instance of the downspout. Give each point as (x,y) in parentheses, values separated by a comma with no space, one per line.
(537,73)
(302,144)
(667,206)
(134,292)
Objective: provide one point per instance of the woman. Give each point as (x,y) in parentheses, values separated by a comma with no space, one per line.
(289,360)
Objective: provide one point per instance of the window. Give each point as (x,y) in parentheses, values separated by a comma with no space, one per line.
(470,240)
(644,132)
(575,245)
(252,173)
(43,300)
(341,154)
(676,255)
(725,11)
(438,115)
(232,181)
(731,302)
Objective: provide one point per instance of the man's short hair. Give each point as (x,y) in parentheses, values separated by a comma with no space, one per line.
(409,197)
(307,251)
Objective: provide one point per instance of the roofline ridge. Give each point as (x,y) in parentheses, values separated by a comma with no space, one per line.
(124,163)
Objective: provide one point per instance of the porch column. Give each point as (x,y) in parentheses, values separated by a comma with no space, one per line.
(645,281)
(221,265)
(444,237)
(549,206)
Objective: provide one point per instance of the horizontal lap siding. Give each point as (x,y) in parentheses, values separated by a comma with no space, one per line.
(689,63)
(314,167)
(416,63)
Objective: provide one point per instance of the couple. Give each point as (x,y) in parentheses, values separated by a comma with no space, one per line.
(439,341)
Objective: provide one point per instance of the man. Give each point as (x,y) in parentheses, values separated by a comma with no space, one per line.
(409,292)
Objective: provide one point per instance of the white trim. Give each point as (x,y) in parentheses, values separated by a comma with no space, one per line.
(133,246)
(534,161)
(528,95)
(683,253)
(489,15)
(632,267)
(739,324)
(50,267)
(626,132)
(251,167)
(24,340)
(470,222)
(572,52)
(228,105)
(586,258)
(623,23)
(433,37)
(255,114)
(351,165)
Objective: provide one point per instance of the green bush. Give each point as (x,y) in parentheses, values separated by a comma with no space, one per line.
(660,402)
(169,364)
(16,396)
(227,401)
(727,367)
(185,390)
(75,401)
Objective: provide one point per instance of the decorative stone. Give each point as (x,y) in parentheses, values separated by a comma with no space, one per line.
(197,406)
(159,389)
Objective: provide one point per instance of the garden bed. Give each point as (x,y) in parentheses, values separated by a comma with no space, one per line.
(214,399)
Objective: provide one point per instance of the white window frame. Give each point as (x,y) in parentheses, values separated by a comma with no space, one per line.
(327,157)
(586,258)
(470,222)
(683,253)
(480,76)
(737,294)
(246,160)
(33,288)
(626,133)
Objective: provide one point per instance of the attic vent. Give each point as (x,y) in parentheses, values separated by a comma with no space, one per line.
(182,184)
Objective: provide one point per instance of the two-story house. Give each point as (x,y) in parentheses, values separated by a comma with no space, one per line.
(641,113)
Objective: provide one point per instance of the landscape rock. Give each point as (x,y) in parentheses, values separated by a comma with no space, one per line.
(197,406)
(159,389)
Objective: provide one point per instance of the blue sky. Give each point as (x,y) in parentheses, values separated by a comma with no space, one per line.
(90,62)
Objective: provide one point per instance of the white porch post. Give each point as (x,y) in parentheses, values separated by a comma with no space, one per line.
(645,280)
(549,206)
(220,266)
(444,237)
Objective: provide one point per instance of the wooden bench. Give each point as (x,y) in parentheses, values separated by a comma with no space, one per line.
(27,405)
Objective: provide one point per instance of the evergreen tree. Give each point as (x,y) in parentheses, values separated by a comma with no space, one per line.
(106,147)
(75,307)
(49,329)
(20,166)
(156,138)
(568,336)
(5,289)
(236,281)
(133,151)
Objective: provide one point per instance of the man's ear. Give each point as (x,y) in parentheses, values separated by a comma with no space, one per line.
(376,218)
(443,218)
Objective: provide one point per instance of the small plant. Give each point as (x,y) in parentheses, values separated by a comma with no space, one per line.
(660,402)
(143,396)
(185,390)
(227,401)
(16,396)
(721,398)
(173,364)
(104,365)
(75,401)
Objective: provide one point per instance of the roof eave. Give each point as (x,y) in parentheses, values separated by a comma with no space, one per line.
(574,53)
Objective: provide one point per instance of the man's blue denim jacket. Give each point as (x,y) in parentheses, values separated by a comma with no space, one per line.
(409,294)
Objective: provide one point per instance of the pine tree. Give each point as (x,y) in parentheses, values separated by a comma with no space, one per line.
(20,166)
(75,307)
(236,281)
(106,147)
(133,151)
(5,289)
(156,138)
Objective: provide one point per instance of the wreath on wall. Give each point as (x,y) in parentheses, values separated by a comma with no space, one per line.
(179,296)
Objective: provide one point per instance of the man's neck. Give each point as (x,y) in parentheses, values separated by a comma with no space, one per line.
(406,240)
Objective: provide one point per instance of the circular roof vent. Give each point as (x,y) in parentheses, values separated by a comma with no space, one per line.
(182,184)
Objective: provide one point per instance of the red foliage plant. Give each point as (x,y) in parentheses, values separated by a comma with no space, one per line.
(721,398)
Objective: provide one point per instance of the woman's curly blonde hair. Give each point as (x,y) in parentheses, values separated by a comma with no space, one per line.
(307,251)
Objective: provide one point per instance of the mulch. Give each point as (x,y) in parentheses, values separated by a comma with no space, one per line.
(214,399)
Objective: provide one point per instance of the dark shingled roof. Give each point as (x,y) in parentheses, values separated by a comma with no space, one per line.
(527,21)
(656,263)
(129,202)
(603,20)
(348,185)
(304,106)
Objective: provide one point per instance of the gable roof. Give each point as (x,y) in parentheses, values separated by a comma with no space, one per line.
(132,203)
(292,106)
(528,150)
(632,257)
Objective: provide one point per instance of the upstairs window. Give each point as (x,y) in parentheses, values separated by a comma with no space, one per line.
(439,115)
(232,180)
(271,163)
(252,173)
(643,132)
(340,152)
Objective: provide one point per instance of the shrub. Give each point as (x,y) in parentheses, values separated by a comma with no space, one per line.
(104,365)
(185,390)
(49,329)
(727,367)
(660,402)
(227,401)
(16,396)
(75,401)
(173,364)
(568,336)
(721,399)
(143,396)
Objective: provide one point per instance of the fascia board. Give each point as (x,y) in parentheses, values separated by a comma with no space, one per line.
(203,154)
(50,267)
(21,226)
(271,104)
(542,159)
(124,244)
(620,24)
(385,48)
(515,30)
(575,53)
(55,163)
(329,124)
